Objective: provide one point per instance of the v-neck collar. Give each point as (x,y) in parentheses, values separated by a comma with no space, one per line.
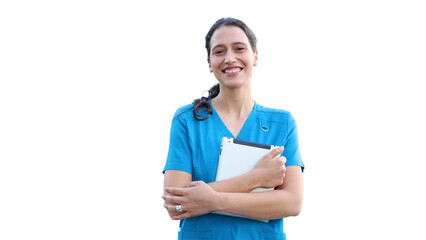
(222,125)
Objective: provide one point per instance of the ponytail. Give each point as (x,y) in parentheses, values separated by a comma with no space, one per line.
(203,103)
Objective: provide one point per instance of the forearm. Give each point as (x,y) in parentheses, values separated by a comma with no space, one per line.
(175,178)
(283,202)
(273,204)
(199,198)
(241,184)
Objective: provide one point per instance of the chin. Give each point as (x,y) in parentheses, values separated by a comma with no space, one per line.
(234,83)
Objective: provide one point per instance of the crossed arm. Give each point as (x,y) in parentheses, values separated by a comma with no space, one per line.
(233,195)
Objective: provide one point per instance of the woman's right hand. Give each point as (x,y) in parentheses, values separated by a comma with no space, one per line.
(270,170)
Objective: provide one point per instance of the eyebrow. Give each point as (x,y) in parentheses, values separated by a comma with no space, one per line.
(234,43)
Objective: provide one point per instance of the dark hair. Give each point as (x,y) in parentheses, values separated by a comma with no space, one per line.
(202,103)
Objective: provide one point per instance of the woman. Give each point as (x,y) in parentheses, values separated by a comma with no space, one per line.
(190,190)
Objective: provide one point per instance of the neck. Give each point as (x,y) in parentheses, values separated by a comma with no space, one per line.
(237,102)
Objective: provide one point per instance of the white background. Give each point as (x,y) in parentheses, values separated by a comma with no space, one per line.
(88,90)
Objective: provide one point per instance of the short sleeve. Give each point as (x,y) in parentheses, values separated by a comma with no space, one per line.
(179,155)
(291,147)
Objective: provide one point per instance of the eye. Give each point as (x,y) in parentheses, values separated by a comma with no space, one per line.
(218,52)
(239,49)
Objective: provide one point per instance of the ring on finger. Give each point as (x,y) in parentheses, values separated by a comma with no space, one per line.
(179,208)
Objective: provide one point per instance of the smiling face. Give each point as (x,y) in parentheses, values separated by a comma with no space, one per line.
(231,57)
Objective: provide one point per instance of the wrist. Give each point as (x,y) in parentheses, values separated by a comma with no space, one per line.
(219,201)
(255,179)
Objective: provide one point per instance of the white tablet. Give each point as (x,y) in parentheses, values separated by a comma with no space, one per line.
(238,157)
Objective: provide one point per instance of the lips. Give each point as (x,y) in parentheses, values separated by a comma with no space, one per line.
(232,70)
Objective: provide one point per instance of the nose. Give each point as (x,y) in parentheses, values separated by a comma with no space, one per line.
(229,58)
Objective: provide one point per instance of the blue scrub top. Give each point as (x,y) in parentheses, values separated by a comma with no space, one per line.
(195,147)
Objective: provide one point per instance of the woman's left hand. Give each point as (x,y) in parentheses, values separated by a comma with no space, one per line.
(196,199)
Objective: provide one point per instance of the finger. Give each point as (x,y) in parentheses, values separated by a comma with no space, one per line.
(275,152)
(194,184)
(168,206)
(182,216)
(172,208)
(283,159)
(175,191)
(173,199)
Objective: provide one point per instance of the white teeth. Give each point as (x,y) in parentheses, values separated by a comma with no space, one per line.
(232,70)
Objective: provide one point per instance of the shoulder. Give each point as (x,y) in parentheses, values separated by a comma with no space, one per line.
(274,114)
(184,112)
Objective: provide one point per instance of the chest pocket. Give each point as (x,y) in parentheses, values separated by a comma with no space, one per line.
(269,132)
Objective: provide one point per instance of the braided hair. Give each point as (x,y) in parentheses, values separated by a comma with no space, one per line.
(203,103)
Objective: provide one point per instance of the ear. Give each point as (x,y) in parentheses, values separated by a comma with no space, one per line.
(210,66)
(255,58)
